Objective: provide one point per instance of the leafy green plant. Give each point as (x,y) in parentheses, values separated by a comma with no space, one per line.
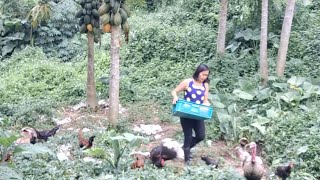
(120,145)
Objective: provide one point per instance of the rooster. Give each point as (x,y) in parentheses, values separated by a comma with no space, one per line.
(85,143)
(253,166)
(284,171)
(210,161)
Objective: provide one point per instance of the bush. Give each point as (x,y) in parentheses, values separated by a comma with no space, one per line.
(30,83)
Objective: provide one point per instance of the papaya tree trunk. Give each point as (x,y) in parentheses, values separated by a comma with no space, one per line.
(222,27)
(263,43)
(114,75)
(91,86)
(284,38)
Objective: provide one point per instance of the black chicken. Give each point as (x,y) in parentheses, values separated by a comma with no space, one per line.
(210,161)
(159,154)
(44,135)
(284,171)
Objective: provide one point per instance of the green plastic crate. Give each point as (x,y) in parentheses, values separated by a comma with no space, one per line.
(192,110)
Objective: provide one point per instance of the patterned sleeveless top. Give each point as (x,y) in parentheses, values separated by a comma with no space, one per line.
(195,93)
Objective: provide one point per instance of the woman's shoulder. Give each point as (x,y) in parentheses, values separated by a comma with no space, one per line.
(188,80)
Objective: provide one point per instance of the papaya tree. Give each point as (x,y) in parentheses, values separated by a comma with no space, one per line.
(89,24)
(284,37)
(114,15)
(222,27)
(264,42)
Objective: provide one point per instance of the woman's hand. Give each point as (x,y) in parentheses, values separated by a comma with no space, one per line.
(175,99)
(206,103)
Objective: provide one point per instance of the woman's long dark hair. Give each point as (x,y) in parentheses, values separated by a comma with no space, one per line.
(200,68)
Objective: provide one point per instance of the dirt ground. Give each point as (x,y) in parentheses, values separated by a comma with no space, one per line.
(75,119)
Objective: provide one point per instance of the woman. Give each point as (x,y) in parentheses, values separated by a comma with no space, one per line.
(196,89)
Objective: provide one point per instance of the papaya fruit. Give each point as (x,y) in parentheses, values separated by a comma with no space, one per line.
(106,28)
(89,27)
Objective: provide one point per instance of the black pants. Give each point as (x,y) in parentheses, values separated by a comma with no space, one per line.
(187,126)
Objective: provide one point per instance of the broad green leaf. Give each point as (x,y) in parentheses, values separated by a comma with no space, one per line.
(264,94)
(282,86)
(7,141)
(218,104)
(262,129)
(242,94)
(36,149)
(290,96)
(302,149)
(272,113)
(297,81)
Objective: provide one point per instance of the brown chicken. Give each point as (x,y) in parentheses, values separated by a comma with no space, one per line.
(139,162)
(85,143)
(7,157)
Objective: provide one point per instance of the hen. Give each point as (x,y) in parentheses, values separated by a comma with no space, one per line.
(159,154)
(284,171)
(85,143)
(210,161)
(44,135)
(253,166)
(139,163)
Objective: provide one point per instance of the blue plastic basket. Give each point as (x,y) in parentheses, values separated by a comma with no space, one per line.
(192,110)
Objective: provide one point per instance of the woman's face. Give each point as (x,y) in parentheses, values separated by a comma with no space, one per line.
(203,75)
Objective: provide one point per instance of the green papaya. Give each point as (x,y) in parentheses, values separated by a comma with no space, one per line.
(83,28)
(123,15)
(117,19)
(79,14)
(105,19)
(104,8)
(116,7)
(87,19)
(126,9)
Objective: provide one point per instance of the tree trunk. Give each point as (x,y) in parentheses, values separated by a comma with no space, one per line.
(114,75)
(263,43)
(91,86)
(222,27)
(285,35)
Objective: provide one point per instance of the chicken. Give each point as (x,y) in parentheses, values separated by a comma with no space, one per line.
(28,136)
(159,154)
(253,166)
(139,162)
(210,161)
(284,171)
(85,143)
(243,142)
(44,135)
(7,157)
(31,135)
(241,152)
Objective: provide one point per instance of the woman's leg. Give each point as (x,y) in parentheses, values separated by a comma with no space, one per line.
(187,125)
(200,132)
